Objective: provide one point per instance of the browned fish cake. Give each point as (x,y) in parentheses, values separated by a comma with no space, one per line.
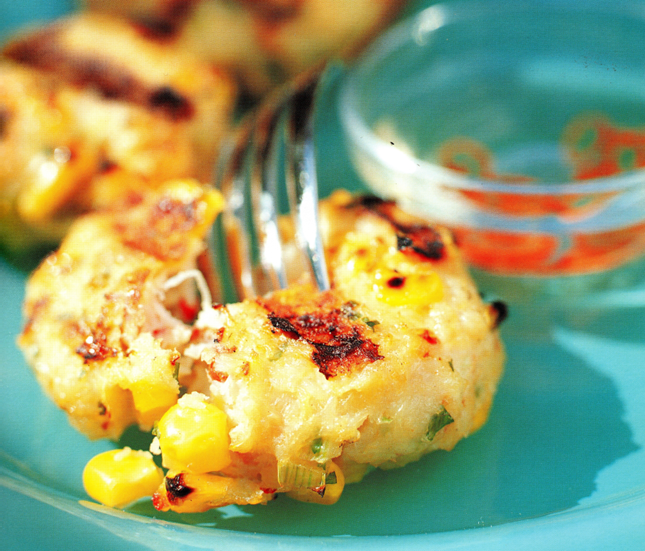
(399,358)
(91,114)
(263,41)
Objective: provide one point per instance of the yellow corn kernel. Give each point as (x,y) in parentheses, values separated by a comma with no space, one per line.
(361,254)
(325,495)
(196,493)
(187,190)
(407,289)
(56,177)
(117,411)
(151,401)
(193,436)
(119,477)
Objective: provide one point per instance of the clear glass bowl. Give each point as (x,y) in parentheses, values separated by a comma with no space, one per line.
(521,126)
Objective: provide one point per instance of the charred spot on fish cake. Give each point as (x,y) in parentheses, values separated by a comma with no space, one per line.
(43,50)
(170,102)
(37,50)
(166,23)
(423,240)
(94,348)
(500,312)
(159,229)
(338,340)
(34,311)
(273,12)
(5,117)
(418,238)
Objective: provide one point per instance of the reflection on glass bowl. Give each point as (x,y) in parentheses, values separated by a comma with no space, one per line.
(524,133)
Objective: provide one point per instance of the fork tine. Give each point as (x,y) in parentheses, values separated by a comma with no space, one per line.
(265,195)
(302,181)
(232,250)
(248,177)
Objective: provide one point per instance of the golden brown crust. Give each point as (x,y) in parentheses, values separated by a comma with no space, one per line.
(87,335)
(367,374)
(45,50)
(93,115)
(329,324)
(264,42)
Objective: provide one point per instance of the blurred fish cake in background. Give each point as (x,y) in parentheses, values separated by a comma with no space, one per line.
(97,106)
(93,113)
(264,42)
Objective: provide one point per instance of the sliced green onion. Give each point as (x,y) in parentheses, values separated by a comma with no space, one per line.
(371,323)
(437,422)
(317,446)
(296,475)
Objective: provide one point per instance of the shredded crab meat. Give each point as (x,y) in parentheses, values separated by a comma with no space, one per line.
(200,281)
(161,322)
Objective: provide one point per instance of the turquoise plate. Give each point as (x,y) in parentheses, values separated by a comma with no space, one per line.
(560,465)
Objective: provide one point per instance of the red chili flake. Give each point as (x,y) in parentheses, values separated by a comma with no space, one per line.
(158,501)
(396,282)
(216,375)
(189,310)
(429,337)
(94,347)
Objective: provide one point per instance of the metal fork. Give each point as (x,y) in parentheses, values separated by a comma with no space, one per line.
(269,162)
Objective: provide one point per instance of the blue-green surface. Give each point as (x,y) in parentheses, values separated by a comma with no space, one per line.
(560,465)
(561,460)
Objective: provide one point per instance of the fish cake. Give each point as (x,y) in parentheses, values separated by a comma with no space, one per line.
(265,42)
(92,113)
(314,389)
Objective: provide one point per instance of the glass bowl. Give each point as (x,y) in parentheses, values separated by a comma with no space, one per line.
(519,125)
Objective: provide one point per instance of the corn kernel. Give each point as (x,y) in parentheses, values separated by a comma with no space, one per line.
(119,477)
(193,436)
(151,401)
(186,190)
(196,493)
(362,255)
(55,178)
(330,491)
(407,289)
